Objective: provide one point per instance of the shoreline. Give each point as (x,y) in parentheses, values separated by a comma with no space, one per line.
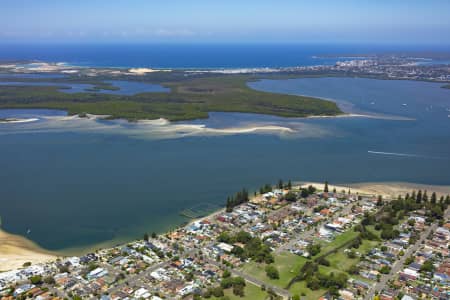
(15,250)
(384,188)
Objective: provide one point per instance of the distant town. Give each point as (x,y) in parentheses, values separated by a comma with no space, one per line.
(388,67)
(383,66)
(286,241)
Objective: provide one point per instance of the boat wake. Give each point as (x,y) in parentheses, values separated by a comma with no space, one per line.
(393,153)
(401,154)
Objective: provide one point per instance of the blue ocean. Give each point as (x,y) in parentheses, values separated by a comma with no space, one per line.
(199,55)
(72,184)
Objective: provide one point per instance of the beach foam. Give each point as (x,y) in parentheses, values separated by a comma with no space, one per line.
(143,71)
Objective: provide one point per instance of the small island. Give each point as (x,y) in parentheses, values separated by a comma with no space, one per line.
(190,97)
(188,94)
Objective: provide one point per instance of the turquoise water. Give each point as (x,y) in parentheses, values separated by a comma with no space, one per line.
(125,87)
(81,185)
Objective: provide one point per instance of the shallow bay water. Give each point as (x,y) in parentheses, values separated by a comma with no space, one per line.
(79,182)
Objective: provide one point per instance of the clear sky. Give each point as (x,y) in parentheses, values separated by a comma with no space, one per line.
(294,21)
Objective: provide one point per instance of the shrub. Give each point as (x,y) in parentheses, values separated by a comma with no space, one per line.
(272,272)
(323,261)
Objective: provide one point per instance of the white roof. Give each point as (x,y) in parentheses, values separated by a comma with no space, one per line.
(96,271)
(142,293)
(410,272)
(225,247)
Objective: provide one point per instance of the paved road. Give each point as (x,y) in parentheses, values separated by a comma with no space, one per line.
(399,264)
(309,233)
(132,280)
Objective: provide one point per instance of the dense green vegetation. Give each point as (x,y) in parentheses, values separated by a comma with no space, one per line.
(316,280)
(239,198)
(190,98)
(272,272)
(251,292)
(253,248)
(394,211)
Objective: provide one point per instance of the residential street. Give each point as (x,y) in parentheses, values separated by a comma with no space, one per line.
(398,265)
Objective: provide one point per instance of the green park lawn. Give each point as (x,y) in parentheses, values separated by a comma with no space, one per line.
(338,241)
(288,266)
(371,228)
(252,292)
(341,262)
(300,288)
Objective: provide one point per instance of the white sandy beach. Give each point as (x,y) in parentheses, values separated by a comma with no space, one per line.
(16,250)
(143,71)
(385,189)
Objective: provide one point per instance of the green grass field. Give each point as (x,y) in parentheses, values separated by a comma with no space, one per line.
(300,288)
(191,98)
(288,266)
(371,228)
(340,260)
(252,292)
(338,241)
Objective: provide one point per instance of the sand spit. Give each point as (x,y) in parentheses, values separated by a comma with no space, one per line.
(159,128)
(386,189)
(368,116)
(394,189)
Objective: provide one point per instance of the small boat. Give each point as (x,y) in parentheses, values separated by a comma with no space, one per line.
(28,231)
(404,104)
(372,102)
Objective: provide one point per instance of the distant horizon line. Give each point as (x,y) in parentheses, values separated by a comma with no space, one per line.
(345,43)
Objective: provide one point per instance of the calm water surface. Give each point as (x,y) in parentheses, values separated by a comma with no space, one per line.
(125,87)
(78,188)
